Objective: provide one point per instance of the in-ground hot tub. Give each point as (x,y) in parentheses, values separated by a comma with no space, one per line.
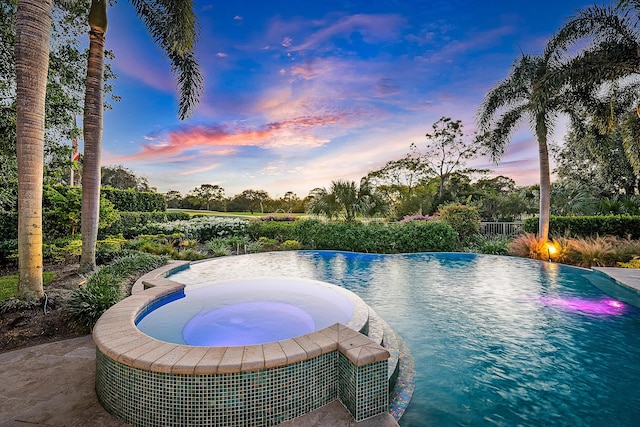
(251,311)
(151,381)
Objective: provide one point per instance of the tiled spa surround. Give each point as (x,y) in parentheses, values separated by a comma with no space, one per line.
(149,382)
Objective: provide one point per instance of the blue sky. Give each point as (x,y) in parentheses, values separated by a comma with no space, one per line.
(298,94)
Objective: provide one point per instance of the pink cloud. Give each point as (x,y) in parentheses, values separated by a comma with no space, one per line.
(222,140)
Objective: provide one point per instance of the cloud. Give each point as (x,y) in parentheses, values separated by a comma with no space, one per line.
(373,28)
(199,170)
(209,139)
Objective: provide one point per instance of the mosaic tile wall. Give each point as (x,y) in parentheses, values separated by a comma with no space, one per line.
(256,398)
(364,390)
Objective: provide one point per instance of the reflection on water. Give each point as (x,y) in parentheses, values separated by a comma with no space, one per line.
(496,340)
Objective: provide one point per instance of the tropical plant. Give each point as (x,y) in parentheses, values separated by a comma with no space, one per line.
(173,27)
(526,93)
(607,62)
(347,199)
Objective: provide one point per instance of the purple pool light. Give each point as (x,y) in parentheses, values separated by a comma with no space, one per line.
(247,323)
(595,307)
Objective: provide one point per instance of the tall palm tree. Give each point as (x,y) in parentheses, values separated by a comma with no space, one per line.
(172,24)
(609,64)
(525,94)
(33,27)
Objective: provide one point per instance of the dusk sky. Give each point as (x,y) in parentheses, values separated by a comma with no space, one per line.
(298,94)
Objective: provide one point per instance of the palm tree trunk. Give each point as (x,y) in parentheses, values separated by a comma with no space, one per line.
(545,189)
(92,129)
(33,27)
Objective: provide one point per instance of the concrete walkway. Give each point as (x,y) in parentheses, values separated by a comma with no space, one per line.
(53,385)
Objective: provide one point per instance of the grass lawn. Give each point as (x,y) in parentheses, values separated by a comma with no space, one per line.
(9,284)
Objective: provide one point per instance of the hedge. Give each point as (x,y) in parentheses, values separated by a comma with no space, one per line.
(588,226)
(131,224)
(135,201)
(413,236)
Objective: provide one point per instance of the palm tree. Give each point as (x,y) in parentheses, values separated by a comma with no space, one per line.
(33,26)
(345,197)
(526,93)
(172,24)
(610,64)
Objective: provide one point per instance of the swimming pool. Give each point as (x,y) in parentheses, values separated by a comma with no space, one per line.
(496,340)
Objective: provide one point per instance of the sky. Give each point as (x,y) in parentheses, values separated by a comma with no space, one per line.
(300,93)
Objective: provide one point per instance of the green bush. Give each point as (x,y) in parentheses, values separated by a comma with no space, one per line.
(426,236)
(201,228)
(278,230)
(413,236)
(135,201)
(493,245)
(107,286)
(465,220)
(219,247)
(131,224)
(291,245)
(8,252)
(589,226)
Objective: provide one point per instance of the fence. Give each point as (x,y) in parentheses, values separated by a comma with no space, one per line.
(510,229)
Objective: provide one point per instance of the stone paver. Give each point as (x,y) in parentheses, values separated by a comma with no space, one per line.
(53,385)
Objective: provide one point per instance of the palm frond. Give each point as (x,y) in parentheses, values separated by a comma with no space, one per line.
(631,140)
(172,25)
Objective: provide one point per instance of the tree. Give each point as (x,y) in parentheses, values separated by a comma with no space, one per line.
(526,93)
(446,151)
(250,200)
(174,199)
(33,23)
(123,178)
(289,200)
(608,62)
(346,198)
(172,25)
(208,194)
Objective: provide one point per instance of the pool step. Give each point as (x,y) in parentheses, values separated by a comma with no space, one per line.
(401,371)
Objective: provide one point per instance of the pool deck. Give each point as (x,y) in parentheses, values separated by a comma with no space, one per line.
(629,277)
(53,385)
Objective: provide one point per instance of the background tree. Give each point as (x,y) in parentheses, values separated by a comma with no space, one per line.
(172,24)
(446,151)
(249,200)
(347,199)
(209,196)
(174,199)
(123,178)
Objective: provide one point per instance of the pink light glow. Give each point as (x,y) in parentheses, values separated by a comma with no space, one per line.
(595,307)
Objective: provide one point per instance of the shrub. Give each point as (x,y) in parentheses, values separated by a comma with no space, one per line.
(201,228)
(426,236)
(589,226)
(291,245)
(131,224)
(280,231)
(274,217)
(107,286)
(493,245)
(593,251)
(465,220)
(8,252)
(634,263)
(219,247)
(135,201)
(416,218)
(529,245)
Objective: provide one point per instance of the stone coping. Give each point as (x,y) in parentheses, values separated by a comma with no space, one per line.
(117,337)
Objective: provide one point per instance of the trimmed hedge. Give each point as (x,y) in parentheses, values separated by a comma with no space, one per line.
(280,231)
(589,226)
(414,236)
(135,201)
(131,224)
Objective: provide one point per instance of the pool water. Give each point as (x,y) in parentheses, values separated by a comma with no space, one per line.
(496,340)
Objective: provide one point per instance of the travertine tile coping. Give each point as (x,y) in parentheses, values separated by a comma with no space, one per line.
(117,336)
